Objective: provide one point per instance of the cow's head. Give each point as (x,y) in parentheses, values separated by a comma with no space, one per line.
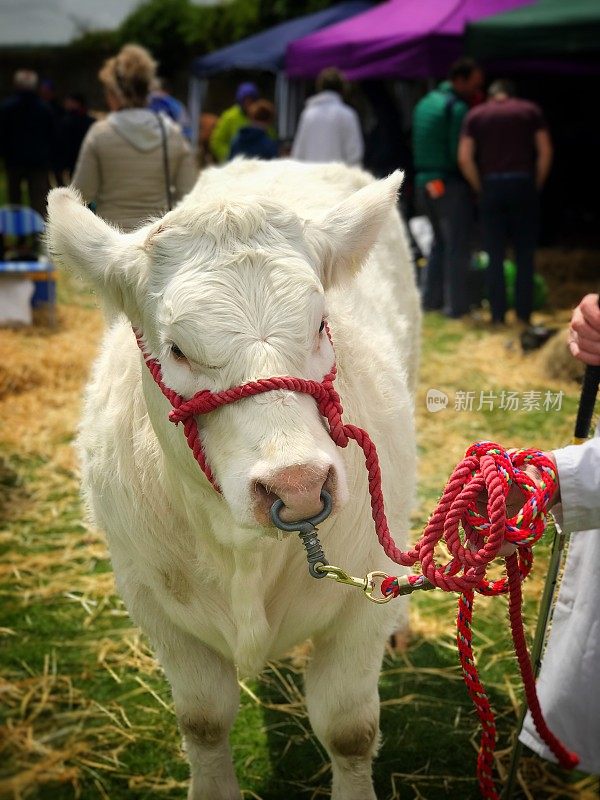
(227,291)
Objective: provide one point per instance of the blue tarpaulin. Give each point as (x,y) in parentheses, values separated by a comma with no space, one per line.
(266,50)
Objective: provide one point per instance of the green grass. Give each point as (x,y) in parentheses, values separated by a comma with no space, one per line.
(85,704)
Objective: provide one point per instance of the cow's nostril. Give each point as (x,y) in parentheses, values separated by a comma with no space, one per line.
(263,496)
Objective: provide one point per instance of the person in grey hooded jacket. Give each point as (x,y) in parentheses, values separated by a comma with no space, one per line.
(121,164)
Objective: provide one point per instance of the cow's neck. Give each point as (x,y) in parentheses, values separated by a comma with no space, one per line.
(248,611)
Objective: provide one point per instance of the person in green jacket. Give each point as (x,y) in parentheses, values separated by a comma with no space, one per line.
(442,193)
(232,120)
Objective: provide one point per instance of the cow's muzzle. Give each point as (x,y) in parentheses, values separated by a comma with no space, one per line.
(299,488)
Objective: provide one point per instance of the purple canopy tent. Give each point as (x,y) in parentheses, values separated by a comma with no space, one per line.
(405,39)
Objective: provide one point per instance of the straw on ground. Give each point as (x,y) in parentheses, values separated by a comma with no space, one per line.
(85,710)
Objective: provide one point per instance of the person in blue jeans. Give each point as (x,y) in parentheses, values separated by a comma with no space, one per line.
(505,153)
(441,191)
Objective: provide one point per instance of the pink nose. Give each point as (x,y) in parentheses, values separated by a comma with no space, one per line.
(300,489)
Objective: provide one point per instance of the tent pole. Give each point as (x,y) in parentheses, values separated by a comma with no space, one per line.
(282,96)
(196,95)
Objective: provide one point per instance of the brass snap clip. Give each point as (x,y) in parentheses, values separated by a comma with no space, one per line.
(367,584)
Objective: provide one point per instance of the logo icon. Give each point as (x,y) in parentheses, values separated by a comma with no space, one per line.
(436,400)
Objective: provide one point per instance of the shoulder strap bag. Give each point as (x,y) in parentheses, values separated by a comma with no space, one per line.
(163,133)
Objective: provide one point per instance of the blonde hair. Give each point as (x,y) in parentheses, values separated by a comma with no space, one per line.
(129,75)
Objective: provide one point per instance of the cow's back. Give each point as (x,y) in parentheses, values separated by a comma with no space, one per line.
(307,189)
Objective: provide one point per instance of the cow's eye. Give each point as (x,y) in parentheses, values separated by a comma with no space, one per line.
(177,354)
(322,326)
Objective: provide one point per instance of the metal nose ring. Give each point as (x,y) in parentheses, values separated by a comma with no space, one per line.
(301,525)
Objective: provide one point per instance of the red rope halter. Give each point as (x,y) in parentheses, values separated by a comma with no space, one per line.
(485,466)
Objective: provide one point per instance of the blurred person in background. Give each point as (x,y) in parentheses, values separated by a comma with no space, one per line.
(253,140)
(505,153)
(48,95)
(231,120)
(206,126)
(442,193)
(27,141)
(122,166)
(329,130)
(160,99)
(72,128)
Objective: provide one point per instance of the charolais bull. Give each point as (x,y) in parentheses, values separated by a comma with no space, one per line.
(242,281)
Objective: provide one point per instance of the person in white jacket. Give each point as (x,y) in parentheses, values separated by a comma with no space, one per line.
(329,130)
(569,682)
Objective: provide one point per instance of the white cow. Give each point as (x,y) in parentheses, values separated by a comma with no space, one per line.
(231,286)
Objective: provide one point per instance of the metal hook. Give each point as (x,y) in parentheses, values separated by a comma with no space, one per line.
(367,584)
(307,531)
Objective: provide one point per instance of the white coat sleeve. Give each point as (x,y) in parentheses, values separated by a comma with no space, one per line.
(353,139)
(579,477)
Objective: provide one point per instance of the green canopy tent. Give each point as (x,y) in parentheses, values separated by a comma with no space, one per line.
(547,29)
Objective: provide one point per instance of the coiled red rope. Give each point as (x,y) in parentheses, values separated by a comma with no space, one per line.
(485,467)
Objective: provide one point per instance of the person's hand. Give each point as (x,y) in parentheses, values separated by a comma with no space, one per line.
(515,500)
(584,331)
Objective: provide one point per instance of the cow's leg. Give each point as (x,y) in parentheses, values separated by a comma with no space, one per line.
(205,694)
(206,697)
(343,704)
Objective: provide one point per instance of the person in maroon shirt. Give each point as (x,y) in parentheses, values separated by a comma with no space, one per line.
(505,153)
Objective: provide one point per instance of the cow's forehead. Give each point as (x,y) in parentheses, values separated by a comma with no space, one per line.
(220,315)
(253,289)
(241,271)
(192,243)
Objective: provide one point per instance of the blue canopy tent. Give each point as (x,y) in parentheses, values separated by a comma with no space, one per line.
(266,51)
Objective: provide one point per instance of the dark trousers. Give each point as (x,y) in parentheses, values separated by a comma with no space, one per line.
(37,184)
(446,274)
(510,212)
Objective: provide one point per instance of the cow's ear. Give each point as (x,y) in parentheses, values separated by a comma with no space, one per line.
(114,262)
(345,236)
